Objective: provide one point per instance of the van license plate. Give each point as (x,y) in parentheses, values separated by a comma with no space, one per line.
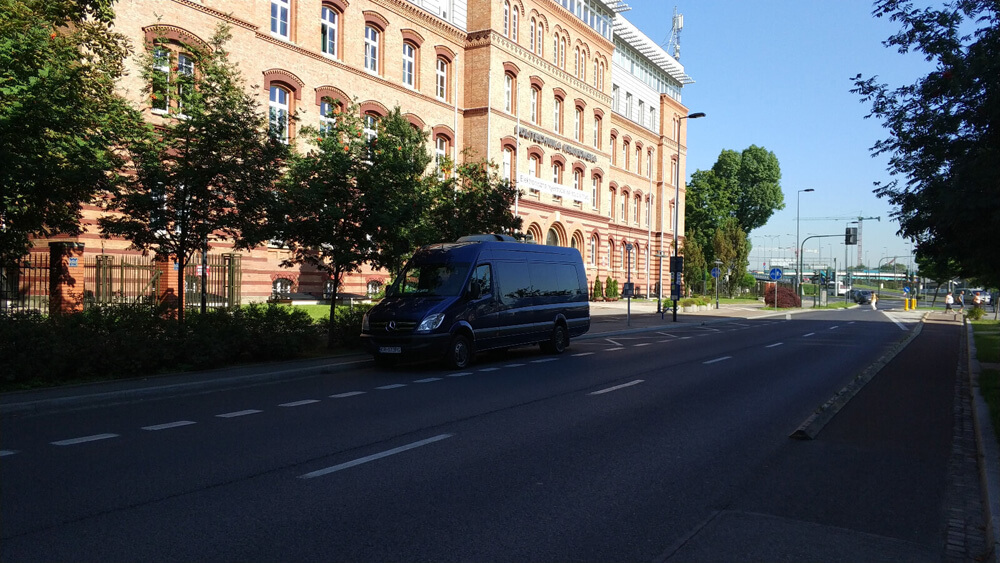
(390,350)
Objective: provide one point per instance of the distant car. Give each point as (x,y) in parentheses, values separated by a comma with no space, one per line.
(853,294)
(863,297)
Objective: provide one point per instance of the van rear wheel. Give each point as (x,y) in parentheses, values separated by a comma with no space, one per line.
(459,354)
(558,342)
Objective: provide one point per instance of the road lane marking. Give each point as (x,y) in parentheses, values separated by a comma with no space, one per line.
(514,365)
(893,319)
(617,387)
(583,354)
(489,369)
(613,342)
(808,334)
(460,374)
(642,344)
(685,337)
(427,380)
(543,360)
(613,349)
(168,425)
(373,457)
(93,438)
(346,395)
(393,386)
(7,452)
(833,327)
(667,334)
(722,359)
(773,345)
(299,403)
(238,413)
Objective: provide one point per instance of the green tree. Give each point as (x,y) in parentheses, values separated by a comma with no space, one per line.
(207,172)
(942,133)
(476,199)
(759,193)
(731,247)
(61,122)
(695,267)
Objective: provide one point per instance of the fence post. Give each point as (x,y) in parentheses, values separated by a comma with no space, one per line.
(169,292)
(66,274)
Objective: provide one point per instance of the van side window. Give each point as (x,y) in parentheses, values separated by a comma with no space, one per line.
(485,279)
(514,283)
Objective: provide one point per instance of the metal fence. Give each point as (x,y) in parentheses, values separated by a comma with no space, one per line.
(24,284)
(111,280)
(222,276)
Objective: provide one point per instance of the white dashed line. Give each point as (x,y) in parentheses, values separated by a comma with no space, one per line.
(346,395)
(460,374)
(393,386)
(238,413)
(642,344)
(427,380)
(685,338)
(722,359)
(773,345)
(168,425)
(543,360)
(808,334)
(4,453)
(617,387)
(613,349)
(514,365)
(490,369)
(581,354)
(373,457)
(74,441)
(613,342)
(833,327)
(299,403)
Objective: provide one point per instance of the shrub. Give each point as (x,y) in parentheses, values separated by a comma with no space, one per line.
(598,293)
(786,297)
(348,321)
(975,313)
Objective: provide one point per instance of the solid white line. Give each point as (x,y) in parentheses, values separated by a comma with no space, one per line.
(613,349)
(238,413)
(489,369)
(514,365)
(613,342)
(169,425)
(460,374)
(393,386)
(667,334)
(373,457)
(723,358)
(808,334)
(427,380)
(348,394)
(299,403)
(833,327)
(899,324)
(685,338)
(773,345)
(7,452)
(543,360)
(93,438)
(617,387)
(642,344)
(583,354)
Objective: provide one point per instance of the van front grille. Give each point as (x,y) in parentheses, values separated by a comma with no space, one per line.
(400,326)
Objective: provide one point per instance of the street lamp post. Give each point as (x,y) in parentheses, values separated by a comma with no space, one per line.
(677,205)
(659,283)
(798,262)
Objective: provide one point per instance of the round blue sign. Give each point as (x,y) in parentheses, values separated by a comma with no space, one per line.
(775,274)
(906,290)
(715,272)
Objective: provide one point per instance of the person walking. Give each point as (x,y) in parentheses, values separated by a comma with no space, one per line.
(961,301)
(949,300)
(874,301)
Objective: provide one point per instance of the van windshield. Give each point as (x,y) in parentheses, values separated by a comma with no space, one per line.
(437,279)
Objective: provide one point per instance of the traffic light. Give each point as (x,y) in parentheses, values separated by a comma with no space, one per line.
(851,235)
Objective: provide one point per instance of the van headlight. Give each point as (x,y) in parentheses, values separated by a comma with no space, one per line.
(365,327)
(431,322)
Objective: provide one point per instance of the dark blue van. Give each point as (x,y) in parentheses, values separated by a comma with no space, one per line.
(483,292)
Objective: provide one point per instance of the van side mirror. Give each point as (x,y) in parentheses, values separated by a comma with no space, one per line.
(475,290)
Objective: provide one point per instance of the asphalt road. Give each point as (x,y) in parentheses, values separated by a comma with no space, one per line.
(661,445)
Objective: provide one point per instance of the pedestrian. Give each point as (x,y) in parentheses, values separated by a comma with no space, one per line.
(874,301)
(961,301)
(977,301)
(949,300)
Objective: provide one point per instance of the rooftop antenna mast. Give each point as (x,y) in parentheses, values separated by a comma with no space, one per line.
(673,45)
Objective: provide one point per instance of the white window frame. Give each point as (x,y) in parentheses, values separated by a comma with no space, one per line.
(506,18)
(409,64)
(370,128)
(508,162)
(534,104)
(372,37)
(185,66)
(578,125)
(327,116)
(278,111)
(594,190)
(329,20)
(161,64)
(557,116)
(279,18)
(514,23)
(508,93)
(441,73)
(531,33)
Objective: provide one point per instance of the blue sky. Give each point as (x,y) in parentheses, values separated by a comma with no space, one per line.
(777,74)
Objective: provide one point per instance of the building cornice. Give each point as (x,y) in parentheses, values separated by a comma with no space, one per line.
(229,18)
(416,13)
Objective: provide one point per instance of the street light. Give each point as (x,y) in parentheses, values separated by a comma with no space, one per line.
(677,205)
(798,262)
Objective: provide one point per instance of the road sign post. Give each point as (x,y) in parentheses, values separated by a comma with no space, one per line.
(775,274)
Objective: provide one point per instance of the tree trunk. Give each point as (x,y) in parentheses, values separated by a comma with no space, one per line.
(331,332)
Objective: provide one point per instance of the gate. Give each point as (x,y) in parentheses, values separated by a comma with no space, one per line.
(120,279)
(223,278)
(24,284)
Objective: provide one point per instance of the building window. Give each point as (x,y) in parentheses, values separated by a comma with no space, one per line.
(534,104)
(595,73)
(371,127)
(578,125)
(409,64)
(556,173)
(652,119)
(531,35)
(642,113)
(533,166)
(625,148)
(328,31)
(595,189)
(281,287)
(327,116)
(614,153)
(562,53)
(628,105)
(371,49)
(279,18)
(638,160)
(576,179)
(592,259)
(514,23)
(506,19)
(442,79)
(440,149)
(576,62)
(508,163)
(649,164)
(185,78)
(615,98)
(278,113)
(600,83)
(161,80)
(557,116)
(597,132)
(540,33)
(635,210)
(623,207)
(508,93)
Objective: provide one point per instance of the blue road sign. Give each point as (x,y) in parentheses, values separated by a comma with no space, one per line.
(906,290)
(775,274)
(715,272)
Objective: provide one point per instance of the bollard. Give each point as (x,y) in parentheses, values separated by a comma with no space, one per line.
(906,304)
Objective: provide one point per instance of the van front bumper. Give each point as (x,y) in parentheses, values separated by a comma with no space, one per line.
(411,346)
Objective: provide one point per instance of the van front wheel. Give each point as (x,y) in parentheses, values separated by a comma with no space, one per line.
(459,354)
(559,341)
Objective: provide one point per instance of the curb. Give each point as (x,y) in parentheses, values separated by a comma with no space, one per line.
(812,426)
(989,453)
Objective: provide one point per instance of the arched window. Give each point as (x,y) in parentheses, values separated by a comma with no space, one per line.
(370,127)
(509,91)
(278,110)
(623,208)
(374,287)
(440,149)
(506,18)
(409,64)
(576,179)
(540,34)
(635,209)
(597,132)
(557,173)
(592,258)
(328,110)
(508,163)
(534,166)
(562,53)
(513,24)
(595,192)
(534,104)
(281,288)
(531,35)
(552,238)
(557,116)
(578,125)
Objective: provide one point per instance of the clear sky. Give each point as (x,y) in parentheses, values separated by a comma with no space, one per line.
(777,74)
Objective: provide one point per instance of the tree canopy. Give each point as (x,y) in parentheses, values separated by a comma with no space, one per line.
(943,138)
(61,120)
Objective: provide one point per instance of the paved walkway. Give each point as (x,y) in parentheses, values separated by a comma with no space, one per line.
(889,409)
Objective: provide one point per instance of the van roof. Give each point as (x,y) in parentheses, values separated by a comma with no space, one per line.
(470,250)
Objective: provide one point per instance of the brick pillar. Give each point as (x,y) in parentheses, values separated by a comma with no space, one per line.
(65,277)
(169,291)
